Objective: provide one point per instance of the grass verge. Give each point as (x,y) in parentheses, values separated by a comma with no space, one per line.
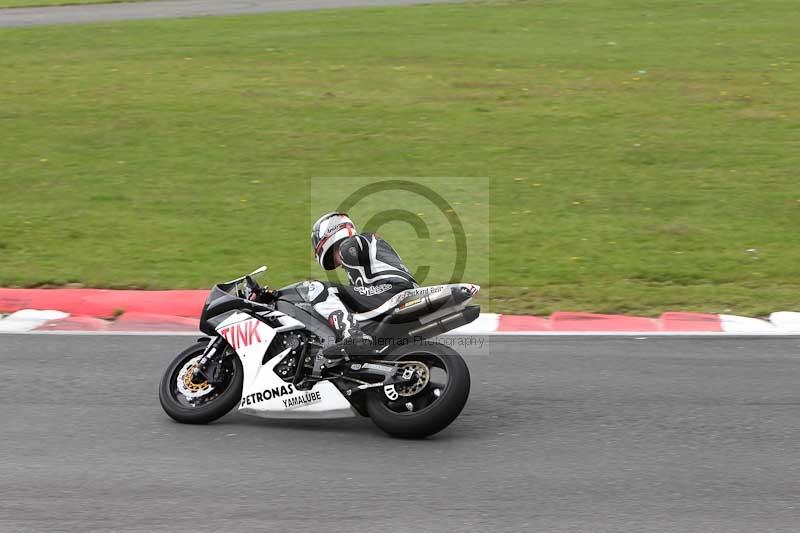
(641,156)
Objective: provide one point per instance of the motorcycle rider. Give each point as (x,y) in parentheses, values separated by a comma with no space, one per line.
(376,274)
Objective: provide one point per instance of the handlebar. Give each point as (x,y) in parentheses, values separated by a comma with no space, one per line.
(251,283)
(258,293)
(252,291)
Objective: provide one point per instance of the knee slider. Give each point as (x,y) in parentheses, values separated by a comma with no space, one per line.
(317,292)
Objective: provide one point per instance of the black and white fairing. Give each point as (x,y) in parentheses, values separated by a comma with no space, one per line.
(264,392)
(261,340)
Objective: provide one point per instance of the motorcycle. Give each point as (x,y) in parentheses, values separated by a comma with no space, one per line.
(264,353)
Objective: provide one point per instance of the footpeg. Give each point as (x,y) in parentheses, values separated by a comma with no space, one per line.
(323,364)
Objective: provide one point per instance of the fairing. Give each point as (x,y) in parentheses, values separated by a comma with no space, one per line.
(264,393)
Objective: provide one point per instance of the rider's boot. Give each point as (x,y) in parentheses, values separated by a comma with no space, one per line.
(354,344)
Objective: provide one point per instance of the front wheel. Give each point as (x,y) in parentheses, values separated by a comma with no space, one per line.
(428,405)
(191,402)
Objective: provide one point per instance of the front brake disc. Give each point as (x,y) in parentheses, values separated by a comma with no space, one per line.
(191,389)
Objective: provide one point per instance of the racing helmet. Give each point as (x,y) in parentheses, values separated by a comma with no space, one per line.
(328,231)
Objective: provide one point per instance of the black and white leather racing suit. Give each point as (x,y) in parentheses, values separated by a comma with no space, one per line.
(376,274)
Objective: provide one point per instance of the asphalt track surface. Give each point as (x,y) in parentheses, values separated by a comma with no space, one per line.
(560,434)
(82,14)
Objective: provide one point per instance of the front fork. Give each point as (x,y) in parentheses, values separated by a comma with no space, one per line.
(205,368)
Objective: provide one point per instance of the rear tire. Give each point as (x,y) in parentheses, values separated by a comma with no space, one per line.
(441,411)
(211,408)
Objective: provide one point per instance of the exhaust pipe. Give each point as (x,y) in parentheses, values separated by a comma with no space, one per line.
(445,324)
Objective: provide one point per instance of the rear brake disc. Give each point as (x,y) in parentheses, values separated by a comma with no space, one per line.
(420,373)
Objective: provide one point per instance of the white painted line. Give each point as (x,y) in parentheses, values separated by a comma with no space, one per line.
(486,323)
(780,324)
(639,334)
(110,333)
(27,320)
(642,334)
(785,320)
(743,324)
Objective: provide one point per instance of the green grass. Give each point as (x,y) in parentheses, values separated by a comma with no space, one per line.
(40,3)
(642,156)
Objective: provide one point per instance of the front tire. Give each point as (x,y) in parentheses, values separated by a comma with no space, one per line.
(435,407)
(208,403)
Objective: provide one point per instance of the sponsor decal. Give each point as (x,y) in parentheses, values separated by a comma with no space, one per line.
(242,334)
(333,229)
(268,394)
(379,368)
(372,290)
(302,400)
(391,393)
(423,291)
(412,302)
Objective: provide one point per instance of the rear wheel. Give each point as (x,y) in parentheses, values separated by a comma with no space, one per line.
(192,401)
(429,404)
